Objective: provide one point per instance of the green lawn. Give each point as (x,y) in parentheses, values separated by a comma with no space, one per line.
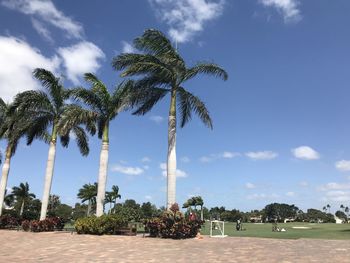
(321,231)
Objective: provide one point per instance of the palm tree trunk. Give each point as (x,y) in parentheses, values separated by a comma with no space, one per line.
(171,166)
(102,175)
(22,208)
(89,208)
(4,176)
(201,212)
(48,176)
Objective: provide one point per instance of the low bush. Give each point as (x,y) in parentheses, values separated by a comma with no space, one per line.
(106,224)
(173,224)
(7,221)
(48,224)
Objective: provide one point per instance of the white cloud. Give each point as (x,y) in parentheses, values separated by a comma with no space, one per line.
(148,197)
(262,196)
(335,186)
(146,167)
(42,30)
(338,196)
(128,48)
(145,159)
(304,184)
(127,169)
(157,119)
(185,159)
(18,60)
(229,155)
(223,155)
(290,194)
(305,153)
(288,8)
(81,58)
(250,186)
(179,173)
(264,155)
(343,165)
(186,17)
(47,13)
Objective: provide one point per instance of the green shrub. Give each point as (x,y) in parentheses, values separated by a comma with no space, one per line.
(173,224)
(106,224)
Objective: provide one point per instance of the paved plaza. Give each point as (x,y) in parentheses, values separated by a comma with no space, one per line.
(66,247)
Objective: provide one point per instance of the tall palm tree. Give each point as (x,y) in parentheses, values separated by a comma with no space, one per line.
(342,207)
(13,126)
(47,110)
(105,106)
(164,72)
(329,208)
(115,193)
(22,195)
(199,201)
(88,193)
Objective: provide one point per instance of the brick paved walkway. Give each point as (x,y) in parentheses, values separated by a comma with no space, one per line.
(64,247)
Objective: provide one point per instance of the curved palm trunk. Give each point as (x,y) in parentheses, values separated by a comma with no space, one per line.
(89,208)
(102,174)
(171,165)
(201,212)
(48,177)
(4,176)
(22,208)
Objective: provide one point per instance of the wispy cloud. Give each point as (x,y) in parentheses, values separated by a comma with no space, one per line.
(42,30)
(46,12)
(304,184)
(81,58)
(250,186)
(127,47)
(157,119)
(223,155)
(305,153)
(288,8)
(290,194)
(262,196)
(263,155)
(343,165)
(179,173)
(146,159)
(186,18)
(338,196)
(129,170)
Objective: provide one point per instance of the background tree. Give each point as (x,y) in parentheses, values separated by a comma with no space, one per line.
(104,107)
(47,110)
(13,126)
(88,193)
(329,208)
(22,196)
(164,72)
(342,207)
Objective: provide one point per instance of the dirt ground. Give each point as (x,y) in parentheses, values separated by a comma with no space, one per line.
(66,247)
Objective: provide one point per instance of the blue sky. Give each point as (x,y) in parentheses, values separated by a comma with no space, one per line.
(280,122)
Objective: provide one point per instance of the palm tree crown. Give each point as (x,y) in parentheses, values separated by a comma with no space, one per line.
(88,193)
(22,195)
(105,106)
(163,71)
(48,110)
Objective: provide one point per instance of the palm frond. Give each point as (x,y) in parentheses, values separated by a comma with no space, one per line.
(52,84)
(98,87)
(156,43)
(188,103)
(88,97)
(82,140)
(122,98)
(140,64)
(206,68)
(38,129)
(145,99)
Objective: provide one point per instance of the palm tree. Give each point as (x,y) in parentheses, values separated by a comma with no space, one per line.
(342,207)
(115,194)
(105,106)
(329,208)
(199,201)
(13,126)
(346,210)
(324,208)
(88,193)
(22,195)
(164,72)
(109,200)
(48,110)
(9,199)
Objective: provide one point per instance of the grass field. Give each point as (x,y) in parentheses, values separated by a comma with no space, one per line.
(319,231)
